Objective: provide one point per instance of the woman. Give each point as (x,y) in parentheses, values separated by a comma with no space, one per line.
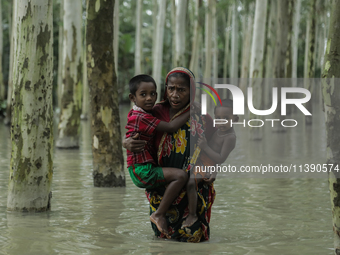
(180,150)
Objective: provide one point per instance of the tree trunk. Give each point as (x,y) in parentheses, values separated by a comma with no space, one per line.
(215,44)
(181,11)
(310,59)
(31,168)
(11,62)
(195,40)
(85,102)
(2,85)
(69,122)
(234,46)
(158,54)
(208,41)
(108,162)
(256,62)
(116,35)
(138,41)
(60,54)
(295,40)
(280,55)
(331,91)
(246,49)
(226,59)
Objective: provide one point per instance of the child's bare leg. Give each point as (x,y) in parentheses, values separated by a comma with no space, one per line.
(176,178)
(192,198)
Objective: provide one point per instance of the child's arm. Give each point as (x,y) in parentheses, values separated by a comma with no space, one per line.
(174,125)
(218,157)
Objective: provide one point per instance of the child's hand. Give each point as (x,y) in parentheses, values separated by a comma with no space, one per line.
(211,179)
(202,142)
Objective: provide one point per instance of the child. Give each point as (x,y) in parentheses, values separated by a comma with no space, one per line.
(213,152)
(142,166)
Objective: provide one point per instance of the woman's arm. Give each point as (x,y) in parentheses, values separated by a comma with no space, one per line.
(134,145)
(174,125)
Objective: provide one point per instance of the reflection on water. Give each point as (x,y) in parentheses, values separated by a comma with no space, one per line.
(250,215)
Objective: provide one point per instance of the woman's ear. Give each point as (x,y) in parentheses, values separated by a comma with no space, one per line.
(132,98)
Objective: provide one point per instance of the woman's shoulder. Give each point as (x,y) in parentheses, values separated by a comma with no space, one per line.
(161,111)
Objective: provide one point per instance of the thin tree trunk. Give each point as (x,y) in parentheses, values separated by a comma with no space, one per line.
(208,41)
(234,46)
(195,40)
(158,55)
(138,41)
(154,27)
(295,40)
(60,54)
(2,85)
(181,11)
(108,161)
(280,55)
(331,91)
(215,44)
(173,30)
(69,122)
(11,62)
(31,168)
(116,35)
(246,49)
(310,59)
(256,62)
(226,59)
(85,104)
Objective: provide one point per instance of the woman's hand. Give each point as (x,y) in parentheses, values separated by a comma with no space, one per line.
(202,142)
(133,144)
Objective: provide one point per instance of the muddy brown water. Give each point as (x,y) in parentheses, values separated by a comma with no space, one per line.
(264,214)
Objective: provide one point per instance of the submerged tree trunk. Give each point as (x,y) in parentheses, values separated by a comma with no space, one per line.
(256,63)
(158,54)
(69,122)
(108,162)
(331,91)
(31,168)
(138,41)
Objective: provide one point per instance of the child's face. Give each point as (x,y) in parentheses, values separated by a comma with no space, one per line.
(225,113)
(145,97)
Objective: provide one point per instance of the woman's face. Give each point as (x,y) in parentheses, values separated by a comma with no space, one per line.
(178,92)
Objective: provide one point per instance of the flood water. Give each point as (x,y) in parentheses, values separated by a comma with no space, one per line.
(260,215)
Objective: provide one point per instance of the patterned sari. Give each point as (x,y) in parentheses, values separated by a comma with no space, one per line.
(180,150)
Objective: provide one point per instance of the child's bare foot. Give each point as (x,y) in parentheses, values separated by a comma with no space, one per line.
(189,221)
(160,222)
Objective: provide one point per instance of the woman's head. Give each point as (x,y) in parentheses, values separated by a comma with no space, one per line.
(179,83)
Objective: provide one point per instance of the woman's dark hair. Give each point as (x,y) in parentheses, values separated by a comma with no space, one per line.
(136,80)
(180,75)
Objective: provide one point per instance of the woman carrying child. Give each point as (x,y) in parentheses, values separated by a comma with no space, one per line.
(176,150)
